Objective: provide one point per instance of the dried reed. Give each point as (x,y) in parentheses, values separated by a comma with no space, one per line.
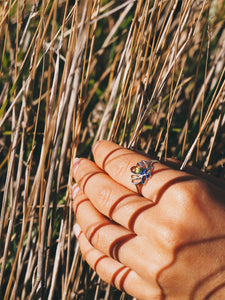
(145,74)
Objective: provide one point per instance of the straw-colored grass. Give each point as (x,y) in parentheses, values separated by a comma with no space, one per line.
(145,74)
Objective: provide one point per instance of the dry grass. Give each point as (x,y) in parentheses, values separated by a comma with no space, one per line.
(145,74)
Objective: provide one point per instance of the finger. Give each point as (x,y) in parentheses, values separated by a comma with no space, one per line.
(115,273)
(117,162)
(119,243)
(109,197)
(137,213)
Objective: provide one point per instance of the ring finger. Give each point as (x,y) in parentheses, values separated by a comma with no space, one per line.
(114,272)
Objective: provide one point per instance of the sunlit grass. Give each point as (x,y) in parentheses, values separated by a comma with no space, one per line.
(145,74)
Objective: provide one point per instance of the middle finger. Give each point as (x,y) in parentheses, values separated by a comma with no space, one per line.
(109,197)
(118,161)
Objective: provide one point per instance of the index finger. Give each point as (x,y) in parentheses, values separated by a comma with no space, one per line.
(117,161)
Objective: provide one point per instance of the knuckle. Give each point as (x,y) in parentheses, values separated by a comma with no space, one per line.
(172,238)
(151,272)
(190,191)
(187,202)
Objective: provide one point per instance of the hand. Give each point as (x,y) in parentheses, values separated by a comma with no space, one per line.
(166,243)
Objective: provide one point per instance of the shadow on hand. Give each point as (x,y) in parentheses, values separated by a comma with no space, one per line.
(203,275)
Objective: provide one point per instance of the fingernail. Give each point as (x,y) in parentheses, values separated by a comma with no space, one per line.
(76,163)
(77,230)
(95,146)
(75,190)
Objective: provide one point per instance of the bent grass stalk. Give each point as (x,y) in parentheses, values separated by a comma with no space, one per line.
(73,73)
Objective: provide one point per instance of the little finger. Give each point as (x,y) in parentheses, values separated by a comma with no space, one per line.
(115,273)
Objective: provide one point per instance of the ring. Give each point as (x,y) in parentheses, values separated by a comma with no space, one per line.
(141,172)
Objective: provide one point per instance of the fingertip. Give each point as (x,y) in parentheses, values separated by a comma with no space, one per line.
(77,230)
(96,144)
(75,190)
(76,163)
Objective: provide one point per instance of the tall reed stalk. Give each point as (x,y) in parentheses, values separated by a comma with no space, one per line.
(145,74)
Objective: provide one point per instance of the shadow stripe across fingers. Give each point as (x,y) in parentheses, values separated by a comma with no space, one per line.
(109,197)
(117,274)
(118,161)
(118,242)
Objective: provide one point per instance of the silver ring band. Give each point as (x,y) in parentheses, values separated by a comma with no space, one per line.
(142,172)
